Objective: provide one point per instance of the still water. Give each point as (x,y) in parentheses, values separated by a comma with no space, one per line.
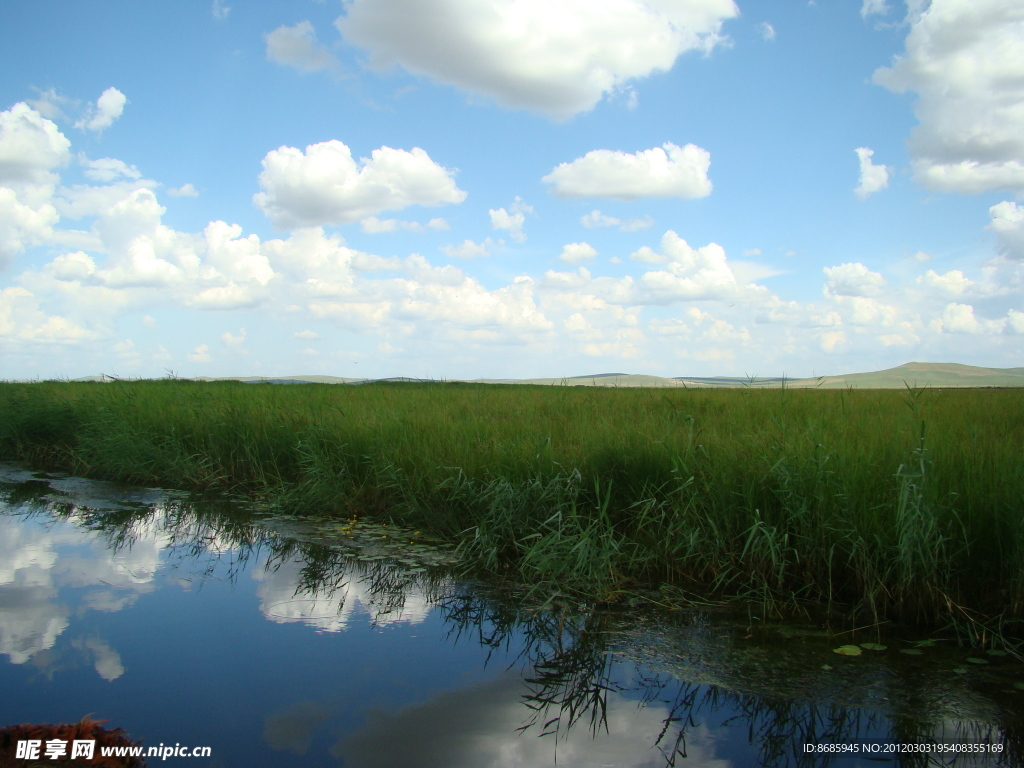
(284,643)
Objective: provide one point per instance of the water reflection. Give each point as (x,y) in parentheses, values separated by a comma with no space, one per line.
(567,683)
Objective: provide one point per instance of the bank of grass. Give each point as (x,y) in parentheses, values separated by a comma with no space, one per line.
(884,504)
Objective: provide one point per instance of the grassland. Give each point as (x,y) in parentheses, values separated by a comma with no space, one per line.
(877,503)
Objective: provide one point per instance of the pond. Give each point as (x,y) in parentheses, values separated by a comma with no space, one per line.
(281,642)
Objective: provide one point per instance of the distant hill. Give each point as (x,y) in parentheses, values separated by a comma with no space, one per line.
(909,374)
(923,375)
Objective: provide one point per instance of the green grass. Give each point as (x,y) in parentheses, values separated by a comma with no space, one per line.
(884,504)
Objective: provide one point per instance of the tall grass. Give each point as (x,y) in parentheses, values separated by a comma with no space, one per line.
(887,504)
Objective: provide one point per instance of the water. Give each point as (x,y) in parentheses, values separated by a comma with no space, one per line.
(281,643)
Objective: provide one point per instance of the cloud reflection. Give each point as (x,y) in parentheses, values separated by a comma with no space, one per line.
(283,600)
(477,728)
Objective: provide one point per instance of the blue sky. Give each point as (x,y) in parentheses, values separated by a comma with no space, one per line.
(510,188)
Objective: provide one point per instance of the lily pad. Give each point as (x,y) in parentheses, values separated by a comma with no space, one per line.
(960,670)
(976,660)
(995,652)
(925,643)
(847,650)
(828,668)
(1019,686)
(872,647)
(912,651)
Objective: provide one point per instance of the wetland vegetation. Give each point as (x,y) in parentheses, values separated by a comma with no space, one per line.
(872,505)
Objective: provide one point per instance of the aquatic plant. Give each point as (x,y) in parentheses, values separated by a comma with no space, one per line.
(787,497)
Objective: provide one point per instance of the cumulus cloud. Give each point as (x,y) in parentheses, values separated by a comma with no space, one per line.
(872,177)
(108,169)
(467,249)
(219,10)
(596,219)
(232,341)
(686,274)
(107,109)
(23,223)
(963,60)
(574,253)
(953,283)
(960,318)
(1006,219)
(512,220)
(298,47)
(767,30)
(852,280)
(23,319)
(185,190)
(324,185)
(667,171)
(31,147)
(558,60)
(200,354)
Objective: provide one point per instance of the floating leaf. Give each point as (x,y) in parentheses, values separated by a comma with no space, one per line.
(976,660)
(925,643)
(1019,686)
(872,647)
(847,650)
(994,652)
(960,670)
(912,651)
(826,667)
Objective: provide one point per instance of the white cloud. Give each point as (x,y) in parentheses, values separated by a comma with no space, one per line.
(767,30)
(874,8)
(298,47)
(23,223)
(872,177)
(959,318)
(107,109)
(373,226)
(200,354)
(596,219)
(324,185)
(22,319)
(752,252)
(921,256)
(963,60)
(852,280)
(31,147)
(311,335)
(234,341)
(953,283)
(49,104)
(126,349)
(1015,321)
(659,172)
(574,253)
(468,249)
(556,59)
(511,220)
(1006,219)
(108,169)
(687,274)
(219,10)
(185,190)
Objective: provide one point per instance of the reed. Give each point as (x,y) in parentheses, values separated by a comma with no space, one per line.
(886,504)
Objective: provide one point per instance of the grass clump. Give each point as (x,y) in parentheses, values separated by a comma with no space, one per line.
(834,497)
